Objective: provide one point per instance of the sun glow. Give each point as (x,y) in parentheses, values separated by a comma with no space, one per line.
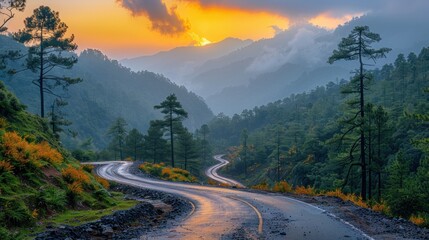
(199,41)
(327,21)
(106,26)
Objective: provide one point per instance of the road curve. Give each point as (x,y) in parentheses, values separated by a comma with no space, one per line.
(211,172)
(222,213)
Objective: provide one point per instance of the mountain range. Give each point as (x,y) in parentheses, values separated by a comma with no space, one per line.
(248,74)
(108,91)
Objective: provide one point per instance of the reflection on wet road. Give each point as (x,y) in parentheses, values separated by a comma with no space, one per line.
(222,213)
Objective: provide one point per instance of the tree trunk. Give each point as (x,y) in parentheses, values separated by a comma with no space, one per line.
(362,115)
(171,138)
(369,163)
(379,160)
(278,157)
(42,97)
(120,150)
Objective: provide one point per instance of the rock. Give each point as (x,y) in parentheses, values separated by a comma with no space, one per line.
(106,230)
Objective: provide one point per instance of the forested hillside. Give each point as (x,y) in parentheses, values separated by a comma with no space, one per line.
(300,138)
(108,91)
(38,178)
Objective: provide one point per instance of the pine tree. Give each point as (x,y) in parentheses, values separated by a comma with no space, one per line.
(48,49)
(134,143)
(357,46)
(174,113)
(57,117)
(204,131)
(7,8)
(154,145)
(187,147)
(7,12)
(244,137)
(118,133)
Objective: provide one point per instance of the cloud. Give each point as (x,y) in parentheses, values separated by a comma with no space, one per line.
(163,20)
(277,29)
(304,44)
(299,10)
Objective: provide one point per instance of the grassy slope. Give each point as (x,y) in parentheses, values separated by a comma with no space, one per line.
(39,180)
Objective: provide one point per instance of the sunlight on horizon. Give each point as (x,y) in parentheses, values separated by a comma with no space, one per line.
(112,29)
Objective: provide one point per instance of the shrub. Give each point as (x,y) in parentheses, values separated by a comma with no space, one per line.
(44,152)
(381,207)
(420,221)
(88,167)
(6,235)
(405,202)
(282,186)
(15,214)
(262,186)
(3,123)
(5,167)
(16,149)
(167,173)
(19,151)
(103,182)
(350,197)
(51,198)
(74,191)
(305,190)
(73,175)
(8,183)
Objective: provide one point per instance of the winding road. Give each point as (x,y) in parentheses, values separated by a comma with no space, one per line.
(211,172)
(223,213)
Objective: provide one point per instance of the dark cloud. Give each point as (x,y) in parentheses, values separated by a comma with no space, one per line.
(303,9)
(166,21)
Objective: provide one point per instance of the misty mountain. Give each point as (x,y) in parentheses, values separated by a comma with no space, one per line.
(262,71)
(108,91)
(181,61)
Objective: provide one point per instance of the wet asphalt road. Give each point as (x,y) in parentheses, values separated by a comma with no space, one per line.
(223,213)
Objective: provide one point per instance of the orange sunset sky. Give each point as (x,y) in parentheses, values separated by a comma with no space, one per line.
(118,32)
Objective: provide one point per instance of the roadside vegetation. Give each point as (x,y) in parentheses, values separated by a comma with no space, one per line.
(39,180)
(160,170)
(313,139)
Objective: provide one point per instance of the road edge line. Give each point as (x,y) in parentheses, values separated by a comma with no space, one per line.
(261,220)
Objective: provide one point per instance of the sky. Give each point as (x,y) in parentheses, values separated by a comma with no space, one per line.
(130,28)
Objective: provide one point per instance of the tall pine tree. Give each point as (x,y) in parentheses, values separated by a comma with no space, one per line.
(48,49)
(357,46)
(173,113)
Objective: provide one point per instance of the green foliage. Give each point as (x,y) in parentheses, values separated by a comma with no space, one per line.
(9,104)
(134,144)
(84,155)
(357,46)
(173,114)
(6,235)
(15,213)
(51,198)
(155,146)
(167,173)
(118,133)
(405,202)
(36,177)
(44,34)
(187,152)
(91,100)
(310,153)
(57,117)
(7,8)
